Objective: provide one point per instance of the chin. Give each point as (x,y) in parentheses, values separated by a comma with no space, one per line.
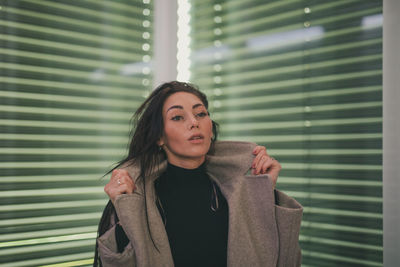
(198,151)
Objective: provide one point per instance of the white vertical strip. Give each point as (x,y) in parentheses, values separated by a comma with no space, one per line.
(165,40)
(391,133)
(183,55)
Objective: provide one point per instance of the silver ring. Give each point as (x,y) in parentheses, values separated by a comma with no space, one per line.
(119,182)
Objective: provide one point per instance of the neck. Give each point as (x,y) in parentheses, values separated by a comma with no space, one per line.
(187,163)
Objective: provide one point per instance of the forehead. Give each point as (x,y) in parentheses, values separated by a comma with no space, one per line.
(184,99)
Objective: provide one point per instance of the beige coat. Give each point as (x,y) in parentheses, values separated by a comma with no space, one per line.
(260,232)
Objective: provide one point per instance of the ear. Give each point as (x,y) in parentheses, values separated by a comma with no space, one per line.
(160,141)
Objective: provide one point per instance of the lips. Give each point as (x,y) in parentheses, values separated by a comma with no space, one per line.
(196,137)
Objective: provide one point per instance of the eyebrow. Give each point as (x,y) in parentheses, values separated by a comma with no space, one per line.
(180,107)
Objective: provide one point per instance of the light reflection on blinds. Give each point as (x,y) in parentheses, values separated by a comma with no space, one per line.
(304,78)
(71,76)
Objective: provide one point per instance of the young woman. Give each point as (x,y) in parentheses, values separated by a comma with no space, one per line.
(180,198)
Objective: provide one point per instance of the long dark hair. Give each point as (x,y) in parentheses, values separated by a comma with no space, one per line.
(144,151)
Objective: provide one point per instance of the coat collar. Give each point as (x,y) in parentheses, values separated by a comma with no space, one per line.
(223,159)
(227,158)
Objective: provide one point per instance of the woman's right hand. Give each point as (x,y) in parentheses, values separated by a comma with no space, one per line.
(120,183)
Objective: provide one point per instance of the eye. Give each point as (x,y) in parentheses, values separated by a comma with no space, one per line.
(201,114)
(177,118)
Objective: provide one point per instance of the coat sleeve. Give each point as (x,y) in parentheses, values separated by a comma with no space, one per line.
(288,214)
(108,251)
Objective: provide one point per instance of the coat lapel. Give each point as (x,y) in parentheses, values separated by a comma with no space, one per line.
(253,235)
(131,212)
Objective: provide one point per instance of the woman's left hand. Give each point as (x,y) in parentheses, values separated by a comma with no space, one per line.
(265,164)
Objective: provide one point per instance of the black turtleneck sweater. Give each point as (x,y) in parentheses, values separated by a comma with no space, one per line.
(197,234)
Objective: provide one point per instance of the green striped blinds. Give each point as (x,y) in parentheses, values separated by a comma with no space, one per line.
(72,73)
(304,78)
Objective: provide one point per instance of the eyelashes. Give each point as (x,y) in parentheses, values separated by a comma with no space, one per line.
(202,114)
(177,118)
(198,115)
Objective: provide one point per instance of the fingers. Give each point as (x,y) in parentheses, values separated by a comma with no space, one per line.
(122,178)
(120,183)
(259,151)
(260,159)
(272,167)
(264,164)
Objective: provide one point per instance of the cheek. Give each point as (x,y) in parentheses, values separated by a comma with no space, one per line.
(209,128)
(172,134)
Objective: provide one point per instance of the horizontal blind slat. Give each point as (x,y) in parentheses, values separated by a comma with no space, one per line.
(83,11)
(71,99)
(65,138)
(110,90)
(73,36)
(312,137)
(72,21)
(79,49)
(45,233)
(66,73)
(50,219)
(47,260)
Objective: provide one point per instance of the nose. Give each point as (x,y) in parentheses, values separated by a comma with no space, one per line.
(193,122)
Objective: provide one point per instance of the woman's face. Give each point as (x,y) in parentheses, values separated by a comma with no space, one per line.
(187,131)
